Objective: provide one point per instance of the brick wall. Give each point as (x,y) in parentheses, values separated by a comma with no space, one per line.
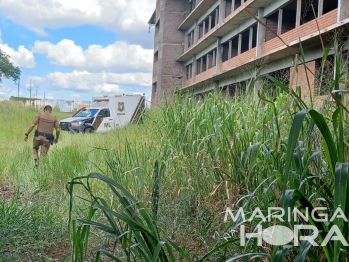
(170,47)
(309,28)
(187,82)
(169,64)
(238,60)
(300,79)
(155,70)
(205,75)
(168,85)
(170,32)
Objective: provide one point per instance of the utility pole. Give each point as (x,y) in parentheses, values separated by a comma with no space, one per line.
(36,97)
(30,92)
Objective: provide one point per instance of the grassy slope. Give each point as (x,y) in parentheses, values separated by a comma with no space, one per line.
(198,146)
(46,186)
(211,154)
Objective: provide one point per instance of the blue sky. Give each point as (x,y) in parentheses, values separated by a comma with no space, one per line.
(76,49)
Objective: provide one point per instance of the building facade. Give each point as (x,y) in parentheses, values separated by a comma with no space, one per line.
(205,45)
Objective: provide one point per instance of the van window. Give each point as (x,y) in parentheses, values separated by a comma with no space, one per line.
(104,113)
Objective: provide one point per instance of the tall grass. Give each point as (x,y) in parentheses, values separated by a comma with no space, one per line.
(212,154)
(216,153)
(27,228)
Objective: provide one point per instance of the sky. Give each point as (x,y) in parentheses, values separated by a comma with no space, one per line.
(77,49)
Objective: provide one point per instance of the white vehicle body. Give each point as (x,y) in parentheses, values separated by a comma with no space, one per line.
(106,114)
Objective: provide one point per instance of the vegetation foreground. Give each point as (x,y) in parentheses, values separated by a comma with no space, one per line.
(159,191)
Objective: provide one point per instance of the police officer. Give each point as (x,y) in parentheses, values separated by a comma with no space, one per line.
(43,135)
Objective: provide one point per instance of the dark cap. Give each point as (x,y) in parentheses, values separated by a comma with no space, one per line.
(48,107)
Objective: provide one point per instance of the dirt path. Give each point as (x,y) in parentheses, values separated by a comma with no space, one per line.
(6,192)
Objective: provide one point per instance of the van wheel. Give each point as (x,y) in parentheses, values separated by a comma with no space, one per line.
(88,130)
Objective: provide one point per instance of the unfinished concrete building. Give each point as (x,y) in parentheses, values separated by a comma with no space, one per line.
(206,45)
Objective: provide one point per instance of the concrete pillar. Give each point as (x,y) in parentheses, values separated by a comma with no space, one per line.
(230,48)
(214,58)
(279,29)
(203,28)
(222,4)
(185,73)
(209,23)
(216,17)
(261,30)
(196,32)
(239,44)
(197,2)
(242,2)
(232,9)
(298,13)
(219,55)
(186,42)
(320,8)
(201,65)
(342,10)
(250,38)
(194,68)
(208,61)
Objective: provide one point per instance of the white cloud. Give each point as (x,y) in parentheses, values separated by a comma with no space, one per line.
(6,91)
(83,81)
(117,15)
(117,57)
(22,58)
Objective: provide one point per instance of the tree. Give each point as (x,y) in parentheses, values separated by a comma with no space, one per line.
(7,69)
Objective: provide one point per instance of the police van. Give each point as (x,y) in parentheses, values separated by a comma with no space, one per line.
(106,114)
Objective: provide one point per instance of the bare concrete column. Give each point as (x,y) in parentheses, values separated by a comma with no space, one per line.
(186,72)
(239,44)
(196,32)
(242,2)
(219,55)
(261,30)
(298,13)
(186,42)
(197,2)
(209,23)
(203,28)
(201,65)
(216,17)
(342,10)
(208,61)
(222,4)
(230,48)
(320,8)
(214,58)
(279,29)
(250,38)
(194,68)
(232,9)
